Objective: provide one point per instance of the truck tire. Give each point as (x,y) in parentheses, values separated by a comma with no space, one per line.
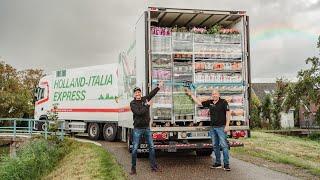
(94,131)
(204,152)
(109,132)
(41,126)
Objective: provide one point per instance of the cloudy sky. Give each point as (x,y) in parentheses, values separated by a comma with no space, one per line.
(57,34)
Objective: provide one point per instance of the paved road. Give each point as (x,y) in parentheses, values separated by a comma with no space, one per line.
(189,166)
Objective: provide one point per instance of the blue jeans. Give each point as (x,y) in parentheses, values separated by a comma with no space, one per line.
(137,133)
(219,140)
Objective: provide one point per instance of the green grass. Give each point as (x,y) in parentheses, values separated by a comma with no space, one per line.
(299,152)
(34,159)
(4,150)
(41,159)
(87,161)
(315,136)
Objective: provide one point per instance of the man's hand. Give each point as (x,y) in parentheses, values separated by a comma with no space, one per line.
(188,92)
(149,102)
(160,84)
(195,99)
(226,128)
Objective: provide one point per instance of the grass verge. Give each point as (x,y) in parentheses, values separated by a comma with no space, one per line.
(33,160)
(299,152)
(4,150)
(87,161)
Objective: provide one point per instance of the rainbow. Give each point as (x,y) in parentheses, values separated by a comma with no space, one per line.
(269,31)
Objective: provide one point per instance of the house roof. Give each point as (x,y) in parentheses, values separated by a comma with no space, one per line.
(263,89)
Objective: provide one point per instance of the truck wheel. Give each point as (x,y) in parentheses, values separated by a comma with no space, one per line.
(40,126)
(203,152)
(94,131)
(109,132)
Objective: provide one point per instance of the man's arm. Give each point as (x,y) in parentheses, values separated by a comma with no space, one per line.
(154,91)
(228,114)
(138,109)
(196,100)
(227,121)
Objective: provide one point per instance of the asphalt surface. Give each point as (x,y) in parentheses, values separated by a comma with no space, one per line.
(189,166)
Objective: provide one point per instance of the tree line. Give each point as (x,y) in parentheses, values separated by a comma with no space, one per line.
(289,95)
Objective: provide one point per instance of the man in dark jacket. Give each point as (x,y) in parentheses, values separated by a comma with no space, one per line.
(220,119)
(141,121)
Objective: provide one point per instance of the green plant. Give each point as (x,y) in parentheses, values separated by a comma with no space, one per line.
(34,159)
(53,115)
(175,29)
(4,151)
(278,99)
(266,110)
(314,136)
(255,108)
(214,29)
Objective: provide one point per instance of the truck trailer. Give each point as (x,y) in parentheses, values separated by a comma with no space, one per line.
(202,50)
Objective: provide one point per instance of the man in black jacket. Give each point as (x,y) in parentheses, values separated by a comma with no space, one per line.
(141,121)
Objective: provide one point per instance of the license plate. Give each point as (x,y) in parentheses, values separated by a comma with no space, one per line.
(199,134)
(142,146)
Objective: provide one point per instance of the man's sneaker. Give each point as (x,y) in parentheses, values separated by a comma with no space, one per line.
(216,166)
(226,168)
(133,171)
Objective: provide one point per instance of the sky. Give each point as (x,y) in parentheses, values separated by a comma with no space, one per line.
(59,34)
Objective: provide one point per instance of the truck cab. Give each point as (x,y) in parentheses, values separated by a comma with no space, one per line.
(42,101)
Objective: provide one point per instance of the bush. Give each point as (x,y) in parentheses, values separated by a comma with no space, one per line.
(255,119)
(34,159)
(315,136)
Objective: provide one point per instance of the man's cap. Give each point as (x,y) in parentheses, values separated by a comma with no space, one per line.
(136,89)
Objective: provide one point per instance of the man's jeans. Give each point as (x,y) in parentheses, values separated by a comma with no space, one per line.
(219,139)
(137,134)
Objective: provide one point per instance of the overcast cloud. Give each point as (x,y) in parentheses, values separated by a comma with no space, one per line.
(57,34)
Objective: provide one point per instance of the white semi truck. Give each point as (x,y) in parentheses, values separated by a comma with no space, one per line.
(86,98)
(202,50)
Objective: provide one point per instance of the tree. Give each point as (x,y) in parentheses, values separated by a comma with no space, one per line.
(10,90)
(255,106)
(307,90)
(30,79)
(277,103)
(16,90)
(266,110)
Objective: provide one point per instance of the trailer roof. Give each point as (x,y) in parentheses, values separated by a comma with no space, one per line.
(193,17)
